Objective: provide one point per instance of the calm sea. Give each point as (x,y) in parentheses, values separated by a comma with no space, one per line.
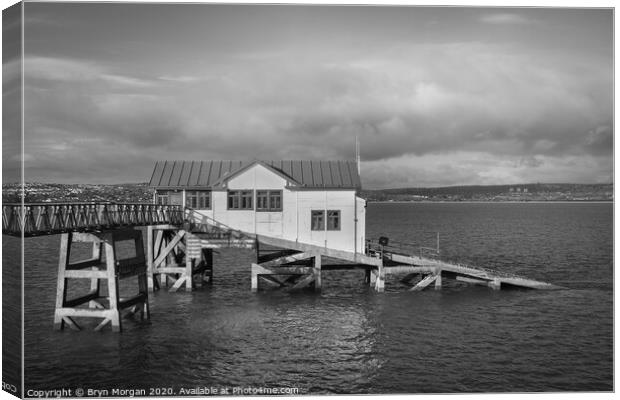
(349,339)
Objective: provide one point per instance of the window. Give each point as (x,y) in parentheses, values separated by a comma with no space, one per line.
(204,200)
(199,199)
(191,199)
(262,200)
(240,199)
(162,198)
(333,220)
(247,199)
(169,197)
(318,220)
(268,200)
(275,200)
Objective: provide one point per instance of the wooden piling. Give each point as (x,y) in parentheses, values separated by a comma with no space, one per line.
(438,280)
(95,284)
(208,257)
(189,272)
(113,294)
(254,277)
(317,273)
(380,278)
(61,283)
(149,257)
(495,284)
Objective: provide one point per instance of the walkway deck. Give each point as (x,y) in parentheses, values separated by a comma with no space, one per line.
(422,265)
(36,219)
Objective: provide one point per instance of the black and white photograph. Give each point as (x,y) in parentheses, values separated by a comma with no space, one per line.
(302,199)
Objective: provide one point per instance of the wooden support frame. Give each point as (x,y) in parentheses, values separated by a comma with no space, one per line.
(165,249)
(179,258)
(299,276)
(427,280)
(202,268)
(112,270)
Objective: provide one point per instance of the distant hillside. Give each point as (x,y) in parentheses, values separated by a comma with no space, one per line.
(140,192)
(56,192)
(525,192)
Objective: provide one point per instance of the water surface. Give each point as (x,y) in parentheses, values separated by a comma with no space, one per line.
(349,339)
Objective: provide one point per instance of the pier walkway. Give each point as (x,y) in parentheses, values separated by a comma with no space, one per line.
(36,219)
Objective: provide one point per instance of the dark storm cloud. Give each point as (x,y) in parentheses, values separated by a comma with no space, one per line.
(473,86)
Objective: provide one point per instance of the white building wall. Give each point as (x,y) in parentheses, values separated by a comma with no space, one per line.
(218,206)
(290,220)
(294,221)
(255,178)
(361,225)
(342,200)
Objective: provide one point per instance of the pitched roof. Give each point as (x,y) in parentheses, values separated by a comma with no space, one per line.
(303,174)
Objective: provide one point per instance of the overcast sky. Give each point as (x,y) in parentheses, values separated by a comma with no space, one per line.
(437,96)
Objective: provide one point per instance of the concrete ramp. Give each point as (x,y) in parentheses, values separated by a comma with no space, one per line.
(402,263)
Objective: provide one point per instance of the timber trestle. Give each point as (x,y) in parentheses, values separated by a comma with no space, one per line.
(176,257)
(94,269)
(297,265)
(285,268)
(181,256)
(291,265)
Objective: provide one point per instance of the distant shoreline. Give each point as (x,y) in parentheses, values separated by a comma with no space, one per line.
(489,201)
(530,193)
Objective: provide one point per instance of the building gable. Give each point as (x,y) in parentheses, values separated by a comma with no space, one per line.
(255,176)
(258,172)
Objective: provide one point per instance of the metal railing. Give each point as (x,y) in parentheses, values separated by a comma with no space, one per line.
(377,248)
(34,219)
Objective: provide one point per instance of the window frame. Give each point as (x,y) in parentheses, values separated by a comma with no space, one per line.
(268,197)
(161,195)
(240,198)
(319,215)
(335,217)
(201,197)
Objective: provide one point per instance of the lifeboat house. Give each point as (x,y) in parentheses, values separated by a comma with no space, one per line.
(313,202)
